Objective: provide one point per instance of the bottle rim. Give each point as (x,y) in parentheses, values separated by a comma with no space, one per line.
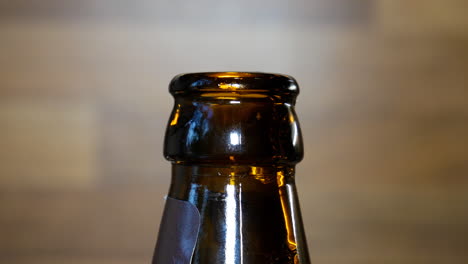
(234,82)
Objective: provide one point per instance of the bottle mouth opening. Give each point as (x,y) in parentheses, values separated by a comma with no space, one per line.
(234,82)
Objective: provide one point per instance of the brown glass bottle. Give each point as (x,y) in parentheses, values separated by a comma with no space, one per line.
(233,139)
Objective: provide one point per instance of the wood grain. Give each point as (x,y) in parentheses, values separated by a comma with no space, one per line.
(206,12)
(420,17)
(57,144)
(383,110)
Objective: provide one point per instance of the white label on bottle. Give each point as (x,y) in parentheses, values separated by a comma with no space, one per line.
(178,233)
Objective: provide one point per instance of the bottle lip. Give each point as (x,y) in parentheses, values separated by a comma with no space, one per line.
(237,82)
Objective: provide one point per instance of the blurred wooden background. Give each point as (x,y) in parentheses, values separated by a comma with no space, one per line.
(383,107)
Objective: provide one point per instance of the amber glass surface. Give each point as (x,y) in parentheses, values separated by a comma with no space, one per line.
(233,139)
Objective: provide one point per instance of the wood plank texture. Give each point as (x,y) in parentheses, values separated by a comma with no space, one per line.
(383,109)
(424,16)
(47,145)
(205,12)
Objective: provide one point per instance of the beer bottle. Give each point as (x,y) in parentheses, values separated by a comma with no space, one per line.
(233,140)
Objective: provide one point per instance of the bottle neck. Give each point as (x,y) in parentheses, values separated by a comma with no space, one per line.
(217,178)
(249,214)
